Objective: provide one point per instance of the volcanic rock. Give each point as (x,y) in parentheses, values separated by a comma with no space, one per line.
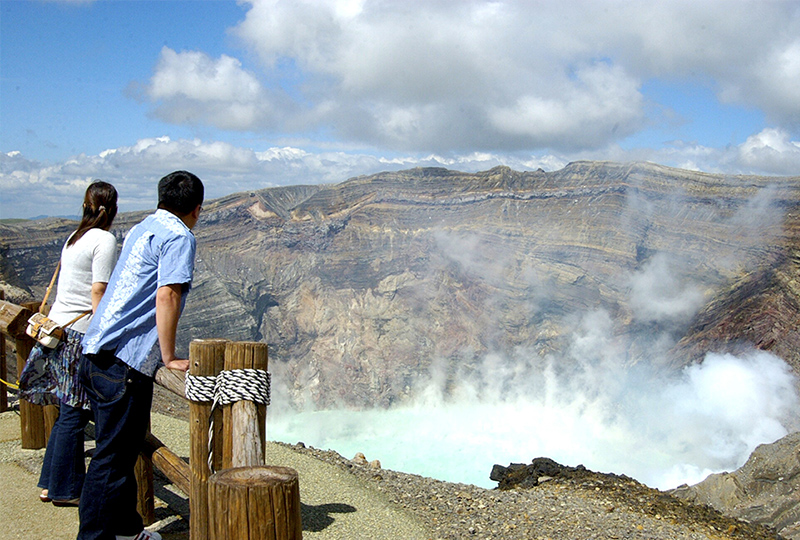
(766,489)
(526,476)
(679,506)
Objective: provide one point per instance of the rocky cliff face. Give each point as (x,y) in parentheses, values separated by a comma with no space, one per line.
(363,288)
(764,490)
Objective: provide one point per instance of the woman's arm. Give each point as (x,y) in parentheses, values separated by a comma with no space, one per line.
(98,290)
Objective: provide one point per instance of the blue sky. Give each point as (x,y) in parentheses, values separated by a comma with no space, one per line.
(264,93)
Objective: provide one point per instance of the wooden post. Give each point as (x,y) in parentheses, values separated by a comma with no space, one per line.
(174,381)
(31,417)
(206,359)
(145,501)
(169,463)
(244,421)
(13,321)
(3,366)
(36,421)
(255,503)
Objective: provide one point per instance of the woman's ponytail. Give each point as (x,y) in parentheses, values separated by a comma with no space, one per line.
(99,209)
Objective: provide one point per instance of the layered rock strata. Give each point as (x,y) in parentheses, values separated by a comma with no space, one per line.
(370,289)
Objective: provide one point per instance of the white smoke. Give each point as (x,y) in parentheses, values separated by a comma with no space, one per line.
(659,293)
(588,405)
(707,418)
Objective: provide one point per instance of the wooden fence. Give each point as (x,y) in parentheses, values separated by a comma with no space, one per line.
(35,421)
(232,493)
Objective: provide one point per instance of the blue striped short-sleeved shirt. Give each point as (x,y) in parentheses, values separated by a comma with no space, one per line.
(158,251)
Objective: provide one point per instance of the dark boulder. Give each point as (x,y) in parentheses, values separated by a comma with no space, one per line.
(527,476)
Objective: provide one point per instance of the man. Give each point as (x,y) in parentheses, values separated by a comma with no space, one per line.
(131,333)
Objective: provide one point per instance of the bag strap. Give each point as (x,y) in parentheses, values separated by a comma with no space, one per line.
(81,316)
(50,288)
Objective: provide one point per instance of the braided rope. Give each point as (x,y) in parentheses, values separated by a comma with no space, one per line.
(200,388)
(228,387)
(242,384)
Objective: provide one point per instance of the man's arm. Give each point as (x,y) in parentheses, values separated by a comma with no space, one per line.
(168,311)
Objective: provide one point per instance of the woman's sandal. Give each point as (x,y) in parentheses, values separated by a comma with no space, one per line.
(43,497)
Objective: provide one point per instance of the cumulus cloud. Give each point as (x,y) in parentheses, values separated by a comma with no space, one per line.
(444,76)
(353,87)
(454,76)
(190,87)
(771,151)
(772,81)
(604,104)
(462,84)
(29,188)
(228,168)
(134,170)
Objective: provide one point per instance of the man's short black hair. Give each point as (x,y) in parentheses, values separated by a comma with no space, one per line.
(180,192)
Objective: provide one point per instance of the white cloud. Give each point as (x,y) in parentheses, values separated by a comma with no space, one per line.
(190,87)
(771,81)
(440,76)
(604,103)
(196,76)
(458,76)
(30,188)
(771,151)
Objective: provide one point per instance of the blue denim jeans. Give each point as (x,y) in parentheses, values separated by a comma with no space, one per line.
(64,466)
(121,398)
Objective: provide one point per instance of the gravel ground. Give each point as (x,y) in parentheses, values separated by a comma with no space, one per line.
(592,506)
(351,499)
(579,506)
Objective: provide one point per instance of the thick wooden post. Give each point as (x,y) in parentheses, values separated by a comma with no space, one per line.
(206,359)
(245,422)
(3,366)
(145,503)
(255,503)
(3,374)
(13,321)
(31,417)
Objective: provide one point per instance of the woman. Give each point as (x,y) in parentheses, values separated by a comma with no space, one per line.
(51,376)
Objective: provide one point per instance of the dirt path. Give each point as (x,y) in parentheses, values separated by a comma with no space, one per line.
(335,504)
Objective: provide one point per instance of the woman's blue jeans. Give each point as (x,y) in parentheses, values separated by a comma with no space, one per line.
(64,466)
(121,398)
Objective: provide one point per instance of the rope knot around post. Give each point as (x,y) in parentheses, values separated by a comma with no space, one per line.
(229,386)
(242,384)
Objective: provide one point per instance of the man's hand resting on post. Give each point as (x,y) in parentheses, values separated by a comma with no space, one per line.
(178,364)
(168,310)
